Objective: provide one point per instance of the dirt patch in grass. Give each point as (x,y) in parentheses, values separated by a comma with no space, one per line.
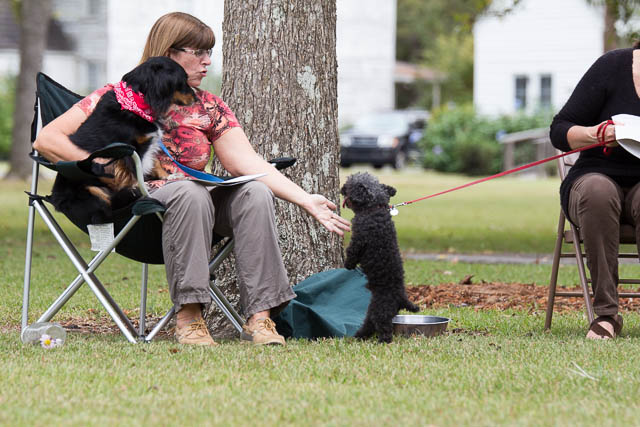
(499,296)
(105,325)
(95,324)
(480,296)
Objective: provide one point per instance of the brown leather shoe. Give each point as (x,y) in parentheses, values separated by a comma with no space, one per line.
(262,332)
(195,333)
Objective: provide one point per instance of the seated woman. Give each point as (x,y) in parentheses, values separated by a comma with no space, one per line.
(602,189)
(193,212)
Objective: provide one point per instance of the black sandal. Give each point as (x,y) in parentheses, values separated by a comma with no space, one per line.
(596,327)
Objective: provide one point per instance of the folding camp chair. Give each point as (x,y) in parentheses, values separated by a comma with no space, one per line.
(137,228)
(571,236)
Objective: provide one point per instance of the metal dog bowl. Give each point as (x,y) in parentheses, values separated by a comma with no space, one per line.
(412,324)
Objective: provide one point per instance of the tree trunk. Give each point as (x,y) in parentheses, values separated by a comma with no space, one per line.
(610,18)
(34,20)
(280,78)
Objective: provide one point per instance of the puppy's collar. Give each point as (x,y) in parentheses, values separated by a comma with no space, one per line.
(373,209)
(132,101)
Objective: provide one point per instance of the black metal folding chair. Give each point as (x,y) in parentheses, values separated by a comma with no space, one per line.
(140,222)
(571,236)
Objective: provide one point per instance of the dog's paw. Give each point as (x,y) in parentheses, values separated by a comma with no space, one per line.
(383,339)
(350,264)
(408,305)
(362,335)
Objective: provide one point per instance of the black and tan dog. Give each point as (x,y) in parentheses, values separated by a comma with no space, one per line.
(128,114)
(374,246)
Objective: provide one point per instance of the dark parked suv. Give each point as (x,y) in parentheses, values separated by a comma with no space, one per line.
(382,138)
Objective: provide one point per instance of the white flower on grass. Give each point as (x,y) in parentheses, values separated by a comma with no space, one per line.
(46,341)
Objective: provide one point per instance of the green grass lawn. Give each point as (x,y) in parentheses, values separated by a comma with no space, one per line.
(491,368)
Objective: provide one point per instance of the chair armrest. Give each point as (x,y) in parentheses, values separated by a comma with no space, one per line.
(115,151)
(147,205)
(83,170)
(283,162)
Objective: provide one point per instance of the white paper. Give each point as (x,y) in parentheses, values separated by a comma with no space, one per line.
(101,236)
(627,129)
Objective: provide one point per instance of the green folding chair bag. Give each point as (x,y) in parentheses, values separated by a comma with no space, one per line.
(328,304)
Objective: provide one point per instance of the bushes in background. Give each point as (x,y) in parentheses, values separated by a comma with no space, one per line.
(458,140)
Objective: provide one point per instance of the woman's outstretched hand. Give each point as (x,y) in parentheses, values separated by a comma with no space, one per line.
(323,211)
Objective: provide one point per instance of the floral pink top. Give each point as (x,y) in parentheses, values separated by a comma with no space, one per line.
(188,131)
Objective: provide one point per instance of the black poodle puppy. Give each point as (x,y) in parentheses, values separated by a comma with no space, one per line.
(374,246)
(130,114)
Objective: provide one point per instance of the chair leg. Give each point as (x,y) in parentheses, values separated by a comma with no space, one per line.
(218,297)
(554,272)
(143,299)
(118,316)
(160,325)
(225,306)
(29,249)
(72,288)
(27,270)
(584,283)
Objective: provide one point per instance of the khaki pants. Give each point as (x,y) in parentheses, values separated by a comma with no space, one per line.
(244,211)
(597,204)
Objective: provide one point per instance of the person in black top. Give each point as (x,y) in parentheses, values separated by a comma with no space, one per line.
(602,188)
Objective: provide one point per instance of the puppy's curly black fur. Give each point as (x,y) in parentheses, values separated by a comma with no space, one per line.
(163,82)
(374,246)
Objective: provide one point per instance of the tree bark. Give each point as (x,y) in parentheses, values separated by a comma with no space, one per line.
(280,78)
(34,20)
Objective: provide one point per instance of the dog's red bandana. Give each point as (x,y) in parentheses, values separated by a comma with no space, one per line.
(132,101)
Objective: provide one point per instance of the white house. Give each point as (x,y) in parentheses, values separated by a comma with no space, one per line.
(366,51)
(534,56)
(109,35)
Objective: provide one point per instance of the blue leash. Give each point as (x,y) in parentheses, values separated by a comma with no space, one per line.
(193,172)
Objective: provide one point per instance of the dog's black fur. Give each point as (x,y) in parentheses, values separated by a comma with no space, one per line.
(374,246)
(163,82)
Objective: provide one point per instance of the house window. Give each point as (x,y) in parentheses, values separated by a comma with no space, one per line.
(521,92)
(94,7)
(545,90)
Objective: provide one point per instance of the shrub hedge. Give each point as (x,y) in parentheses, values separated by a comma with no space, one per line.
(459,140)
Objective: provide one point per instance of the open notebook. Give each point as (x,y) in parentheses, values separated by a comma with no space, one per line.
(214,180)
(210,179)
(628,132)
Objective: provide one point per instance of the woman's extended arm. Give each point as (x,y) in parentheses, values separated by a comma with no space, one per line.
(53,140)
(238,157)
(575,124)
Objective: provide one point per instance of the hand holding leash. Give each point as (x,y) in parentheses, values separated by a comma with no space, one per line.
(606,134)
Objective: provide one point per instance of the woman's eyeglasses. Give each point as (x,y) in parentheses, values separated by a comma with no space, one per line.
(200,53)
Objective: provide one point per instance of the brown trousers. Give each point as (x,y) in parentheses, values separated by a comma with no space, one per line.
(244,211)
(597,204)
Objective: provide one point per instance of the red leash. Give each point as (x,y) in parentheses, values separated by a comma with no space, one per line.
(601,142)
(600,135)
